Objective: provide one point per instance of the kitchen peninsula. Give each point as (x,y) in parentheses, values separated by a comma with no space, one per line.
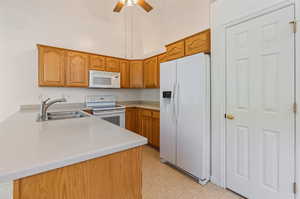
(70,159)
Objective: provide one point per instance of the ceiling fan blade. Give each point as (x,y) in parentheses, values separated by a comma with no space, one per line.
(119,7)
(146,6)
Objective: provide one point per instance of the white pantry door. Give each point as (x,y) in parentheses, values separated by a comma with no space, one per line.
(260,96)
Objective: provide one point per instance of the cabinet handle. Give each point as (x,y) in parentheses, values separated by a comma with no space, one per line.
(229,116)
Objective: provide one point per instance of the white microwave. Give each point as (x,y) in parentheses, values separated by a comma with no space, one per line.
(102,79)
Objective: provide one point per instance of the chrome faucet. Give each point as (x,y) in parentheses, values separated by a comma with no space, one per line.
(45,106)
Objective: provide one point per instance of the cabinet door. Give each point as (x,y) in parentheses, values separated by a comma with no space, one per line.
(162,58)
(125,74)
(146,125)
(112,64)
(132,119)
(51,67)
(151,73)
(156,128)
(199,43)
(97,62)
(136,74)
(175,50)
(77,69)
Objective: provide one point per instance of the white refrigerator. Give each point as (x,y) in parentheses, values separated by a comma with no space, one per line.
(185,115)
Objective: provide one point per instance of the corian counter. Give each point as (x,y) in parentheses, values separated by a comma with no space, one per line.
(28,147)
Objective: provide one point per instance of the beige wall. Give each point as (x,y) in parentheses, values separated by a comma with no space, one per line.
(76,24)
(170,21)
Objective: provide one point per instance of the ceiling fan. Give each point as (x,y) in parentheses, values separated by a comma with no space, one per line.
(146,6)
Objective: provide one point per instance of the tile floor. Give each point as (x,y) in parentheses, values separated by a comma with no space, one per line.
(163,182)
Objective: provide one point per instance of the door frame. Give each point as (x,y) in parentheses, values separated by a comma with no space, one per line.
(221,84)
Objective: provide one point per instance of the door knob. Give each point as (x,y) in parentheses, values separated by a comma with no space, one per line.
(230,117)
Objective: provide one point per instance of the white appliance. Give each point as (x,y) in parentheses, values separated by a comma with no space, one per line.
(185,115)
(105,106)
(102,79)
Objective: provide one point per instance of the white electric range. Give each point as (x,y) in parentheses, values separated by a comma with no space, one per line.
(105,106)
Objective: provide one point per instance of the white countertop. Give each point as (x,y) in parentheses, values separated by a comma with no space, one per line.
(28,147)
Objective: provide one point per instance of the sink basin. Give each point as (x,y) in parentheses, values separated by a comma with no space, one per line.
(66,115)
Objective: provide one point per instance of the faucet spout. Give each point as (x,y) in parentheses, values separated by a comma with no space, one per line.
(46,105)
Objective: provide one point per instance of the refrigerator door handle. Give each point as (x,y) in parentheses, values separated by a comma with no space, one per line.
(177,101)
(174,101)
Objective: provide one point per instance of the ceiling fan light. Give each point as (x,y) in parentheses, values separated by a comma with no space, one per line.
(129,2)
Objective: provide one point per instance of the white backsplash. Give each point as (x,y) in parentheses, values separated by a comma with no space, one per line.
(150,95)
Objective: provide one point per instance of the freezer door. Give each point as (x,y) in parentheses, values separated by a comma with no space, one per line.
(167,112)
(193,99)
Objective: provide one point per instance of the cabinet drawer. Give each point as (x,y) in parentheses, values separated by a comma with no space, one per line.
(199,43)
(147,113)
(156,114)
(175,50)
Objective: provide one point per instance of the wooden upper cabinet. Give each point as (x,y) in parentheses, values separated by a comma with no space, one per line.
(112,64)
(77,69)
(175,50)
(51,66)
(125,74)
(151,73)
(162,58)
(199,43)
(97,62)
(136,74)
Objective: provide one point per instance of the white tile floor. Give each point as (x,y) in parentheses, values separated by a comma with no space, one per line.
(163,182)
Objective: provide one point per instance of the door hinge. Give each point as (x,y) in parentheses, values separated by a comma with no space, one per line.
(295,108)
(294,25)
(295,187)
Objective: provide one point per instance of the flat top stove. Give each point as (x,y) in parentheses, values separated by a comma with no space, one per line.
(98,103)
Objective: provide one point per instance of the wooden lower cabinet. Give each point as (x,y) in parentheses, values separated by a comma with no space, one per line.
(146,125)
(132,119)
(145,122)
(110,177)
(156,129)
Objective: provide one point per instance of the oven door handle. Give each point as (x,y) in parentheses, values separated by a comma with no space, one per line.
(104,113)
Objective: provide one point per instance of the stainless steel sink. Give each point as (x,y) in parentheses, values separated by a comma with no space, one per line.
(66,115)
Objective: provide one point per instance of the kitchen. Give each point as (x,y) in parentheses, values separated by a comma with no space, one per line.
(107,67)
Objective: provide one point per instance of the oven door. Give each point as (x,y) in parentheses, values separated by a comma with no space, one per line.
(114,117)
